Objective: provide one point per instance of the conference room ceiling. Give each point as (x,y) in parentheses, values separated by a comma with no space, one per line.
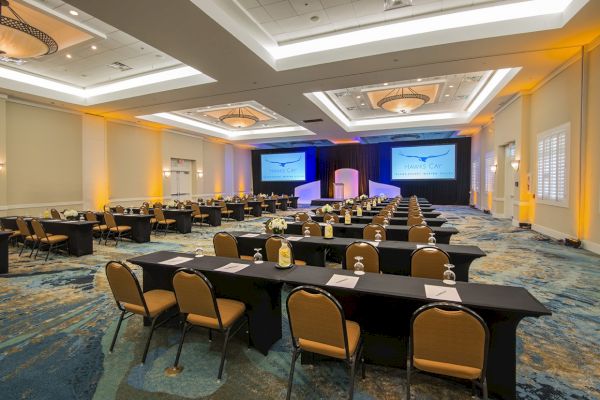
(183,32)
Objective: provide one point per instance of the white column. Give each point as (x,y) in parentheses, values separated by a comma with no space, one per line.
(94,163)
(229,168)
(3,156)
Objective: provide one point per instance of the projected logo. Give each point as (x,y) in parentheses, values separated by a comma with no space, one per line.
(283,167)
(424,162)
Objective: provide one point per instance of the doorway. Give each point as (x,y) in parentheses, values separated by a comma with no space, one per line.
(181,179)
(509,180)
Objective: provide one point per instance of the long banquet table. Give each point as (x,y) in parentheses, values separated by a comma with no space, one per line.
(365,219)
(397,214)
(381,303)
(393,232)
(394,256)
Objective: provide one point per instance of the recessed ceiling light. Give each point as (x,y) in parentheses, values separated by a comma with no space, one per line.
(358,97)
(451,86)
(69,56)
(206,115)
(419,80)
(385,84)
(362,104)
(446,95)
(74,13)
(314,18)
(94,47)
(228,104)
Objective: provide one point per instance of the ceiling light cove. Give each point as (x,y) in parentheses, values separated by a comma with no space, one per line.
(231,121)
(427,28)
(408,104)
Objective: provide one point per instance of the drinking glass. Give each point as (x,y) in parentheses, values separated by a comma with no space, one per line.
(449,275)
(81,218)
(297,218)
(386,222)
(378,235)
(359,267)
(306,232)
(199,252)
(431,241)
(258,258)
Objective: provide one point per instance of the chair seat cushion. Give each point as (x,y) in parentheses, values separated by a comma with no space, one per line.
(353,330)
(13,233)
(121,228)
(230,310)
(167,221)
(153,220)
(299,262)
(157,301)
(250,258)
(100,227)
(442,368)
(201,216)
(54,239)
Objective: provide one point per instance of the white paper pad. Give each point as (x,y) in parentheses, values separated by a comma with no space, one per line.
(232,267)
(442,293)
(250,235)
(294,238)
(322,224)
(176,261)
(343,281)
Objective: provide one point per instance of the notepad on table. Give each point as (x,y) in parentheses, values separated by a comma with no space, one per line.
(250,235)
(442,293)
(343,281)
(293,238)
(420,246)
(232,267)
(176,261)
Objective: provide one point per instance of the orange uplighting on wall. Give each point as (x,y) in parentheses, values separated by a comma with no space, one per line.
(489,200)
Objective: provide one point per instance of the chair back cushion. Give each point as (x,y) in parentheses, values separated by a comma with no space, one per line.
(123,284)
(378,219)
(448,336)
(119,209)
(329,216)
(313,227)
(414,220)
(38,229)
(55,214)
(303,216)
(23,227)
(109,220)
(419,233)
(428,262)
(315,317)
(367,251)
(194,294)
(91,217)
(225,245)
(272,246)
(195,209)
(158,214)
(370,231)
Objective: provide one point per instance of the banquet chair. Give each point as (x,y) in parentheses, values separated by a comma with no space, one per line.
(367,251)
(247,209)
(370,231)
(49,241)
(313,227)
(328,216)
(272,246)
(130,299)
(55,214)
(277,201)
(428,262)
(98,228)
(226,245)
(378,219)
(161,221)
(199,306)
(419,233)
(197,215)
(448,339)
(225,212)
(414,220)
(14,235)
(302,216)
(263,205)
(27,236)
(158,204)
(117,232)
(318,325)
(119,209)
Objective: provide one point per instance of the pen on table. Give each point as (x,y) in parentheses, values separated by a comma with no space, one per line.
(345,279)
(442,292)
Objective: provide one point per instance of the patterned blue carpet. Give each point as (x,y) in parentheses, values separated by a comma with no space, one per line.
(57,320)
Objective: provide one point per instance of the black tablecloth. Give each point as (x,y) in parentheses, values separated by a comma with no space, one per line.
(293,201)
(393,221)
(394,256)
(393,232)
(397,214)
(214,214)
(79,232)
(4,251)
(256,207)
(382,304)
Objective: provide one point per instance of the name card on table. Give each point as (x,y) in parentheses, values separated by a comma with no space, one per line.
(293,238)
(250,235)
(374,243)
(176,261)
(420,246)
(442,293)
(344,281)
(232,267)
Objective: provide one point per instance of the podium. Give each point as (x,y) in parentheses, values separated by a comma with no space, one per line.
(338,191)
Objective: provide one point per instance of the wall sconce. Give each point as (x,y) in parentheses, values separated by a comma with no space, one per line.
(166,173)
(515,164)
(1,166)
(200,173)
(494,168)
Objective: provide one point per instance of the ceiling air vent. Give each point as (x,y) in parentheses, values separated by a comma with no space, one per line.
(310,121)
(393,4)
(120,66)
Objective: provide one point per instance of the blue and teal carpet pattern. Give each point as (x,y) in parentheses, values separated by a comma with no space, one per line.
(57,320)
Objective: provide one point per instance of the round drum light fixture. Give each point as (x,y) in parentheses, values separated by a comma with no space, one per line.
(18,39)
(242,117)
(402,100)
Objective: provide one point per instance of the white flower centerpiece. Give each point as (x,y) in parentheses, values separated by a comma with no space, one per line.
(228,199)
(349,202)
(70,214)
(327,208)
(363,197)
(172,204)
(278,225)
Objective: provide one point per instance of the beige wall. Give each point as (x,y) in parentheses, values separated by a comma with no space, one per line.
(184,147)
(556,102)
(43,159)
